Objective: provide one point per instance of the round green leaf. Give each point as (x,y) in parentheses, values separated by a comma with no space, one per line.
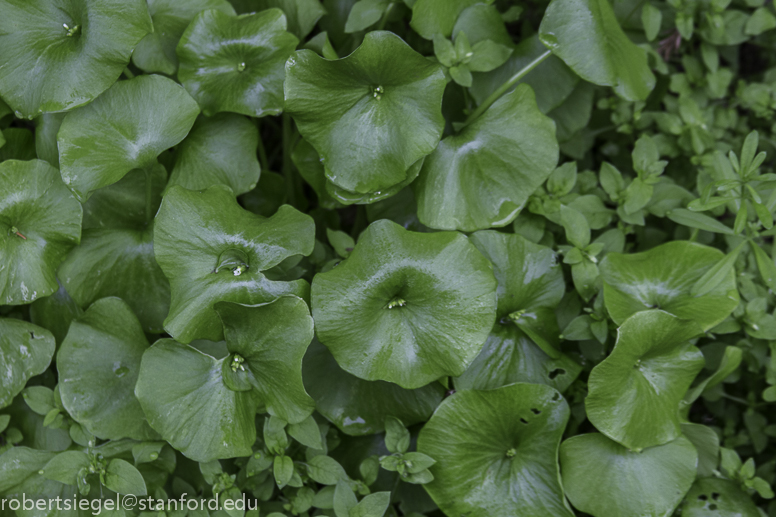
(482,176)
(156,51)
(25,351)
(586,35)
(662,278)
(98,365)
(272,339)
(59,54)
(603,478)
(116,255)
(40,221)
(184,398)
(406,307)
(213,250)
(236,63)
(126,128)
(718,498)
(358,407)
(496,452)
(219,151)
(634,393)
(20,477)
(370,115)
(530,286)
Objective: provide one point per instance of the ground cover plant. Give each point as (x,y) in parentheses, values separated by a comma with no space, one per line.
(356,258)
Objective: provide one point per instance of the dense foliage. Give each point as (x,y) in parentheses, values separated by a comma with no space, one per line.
(355,258)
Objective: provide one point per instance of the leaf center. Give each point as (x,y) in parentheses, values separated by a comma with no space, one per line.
(233,260)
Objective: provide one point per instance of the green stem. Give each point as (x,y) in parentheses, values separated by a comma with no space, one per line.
(384,19)
(262,153)
(287,163)
(148,194)
(493,97)
(128,73)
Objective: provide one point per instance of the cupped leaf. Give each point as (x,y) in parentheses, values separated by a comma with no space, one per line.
(98,365)
(212,250)
(585,34)
(267,343)
(370,115)
(25,351)
(482,176)
(496,452)
(634,394)
(718,497)
(116,255)
(359,407)
(125,129)
(603,478)
(219,151)
(530,286)
(156,51)
(40,221)
(662,278)
(236,63)
(184,397)
(406,307)
(58,55)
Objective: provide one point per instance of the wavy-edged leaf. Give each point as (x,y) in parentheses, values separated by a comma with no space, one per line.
(185,400)
(125,129)
(370,115)
(358,407)
(25,351)
(603,478)
(98,365)
(496,452)
(40,222)
(431,17)
(634,394)
(482,177)
(586,35)
(58,55)
(530,286)
(406,307)
(213,250)
(663,278)
(271,339)
(236,63)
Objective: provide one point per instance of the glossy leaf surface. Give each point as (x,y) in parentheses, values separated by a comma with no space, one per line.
(26,350)
(406,307)
(496,452)
(40,221)
(227,251)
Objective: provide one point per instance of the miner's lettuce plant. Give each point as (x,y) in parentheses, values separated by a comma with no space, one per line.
(366,258)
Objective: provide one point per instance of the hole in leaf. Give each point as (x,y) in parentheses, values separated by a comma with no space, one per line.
(702,498)
(535,411)
(556,397)
(523,421)
(556,372)
(712,507)
(715,496)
